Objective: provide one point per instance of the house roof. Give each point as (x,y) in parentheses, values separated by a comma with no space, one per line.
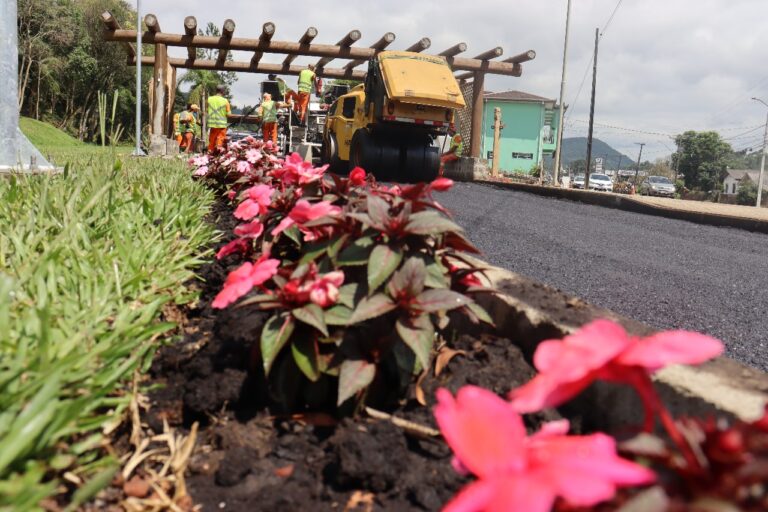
(752,175)
(515,96)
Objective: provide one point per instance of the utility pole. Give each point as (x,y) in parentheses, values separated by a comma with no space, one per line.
(138,151)
(618,167)
(762,160)
(637,169)
(561,114)
(496,135)
(591,112)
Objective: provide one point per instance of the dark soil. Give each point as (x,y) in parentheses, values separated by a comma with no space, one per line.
(250,458)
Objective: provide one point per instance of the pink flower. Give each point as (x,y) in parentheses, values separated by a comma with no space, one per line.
(325,291)
(201,171)
(603,350)
(253,229)
(441,184)
(238,245)
(259,199)
(199,160)
(228,161)
(243,279)
(305,212)
(296,171)
(357,177)
(243,166)
(253,155)
(526,474)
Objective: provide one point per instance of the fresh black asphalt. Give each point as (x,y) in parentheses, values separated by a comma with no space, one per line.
(668,273)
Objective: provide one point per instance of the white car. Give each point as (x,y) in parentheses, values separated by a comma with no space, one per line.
(578,181)
(600,182)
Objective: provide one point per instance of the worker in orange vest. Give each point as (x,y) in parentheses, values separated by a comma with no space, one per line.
(218,108)
(307,82)
(454,150)
(187,122)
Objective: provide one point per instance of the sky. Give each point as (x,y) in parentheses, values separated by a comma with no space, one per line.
(664,66)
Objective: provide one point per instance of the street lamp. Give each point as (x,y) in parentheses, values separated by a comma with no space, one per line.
(762,160)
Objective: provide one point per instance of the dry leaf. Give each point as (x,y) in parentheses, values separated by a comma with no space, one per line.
(285,471)
(136,487)
(419,390)
(444,357)
(359,498)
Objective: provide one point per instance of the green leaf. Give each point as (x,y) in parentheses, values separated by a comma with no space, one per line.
(372,307)
(430,223)
(378,211)
(313,252)
(433,301)
(409,279)
(335,246)
(419,334)
(384,260)
(274,336)
(312,314)
(480,312)
(357,253)
(294,234)
(347,294)
(257,299)
(436,276)
(338,315)
(305,353)
(354,376)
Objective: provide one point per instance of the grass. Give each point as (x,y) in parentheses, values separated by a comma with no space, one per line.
(46,136)
(88,259)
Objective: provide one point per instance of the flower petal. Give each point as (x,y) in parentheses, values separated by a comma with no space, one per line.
(671,347)
(547,390)
(484,432)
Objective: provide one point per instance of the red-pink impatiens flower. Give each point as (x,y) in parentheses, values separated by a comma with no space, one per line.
(357,176)
(238,245)
(259,199)
(325,291)
(296,171)
(304,212)
(603,350)
(526,474)
(441,184)
(241,280)
(253,229)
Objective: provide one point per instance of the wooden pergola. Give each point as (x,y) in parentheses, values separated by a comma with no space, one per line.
(164,77)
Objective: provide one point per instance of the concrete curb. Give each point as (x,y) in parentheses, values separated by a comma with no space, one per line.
(623,202)
(528,313)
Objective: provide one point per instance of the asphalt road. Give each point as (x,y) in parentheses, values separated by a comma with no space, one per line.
(667,273)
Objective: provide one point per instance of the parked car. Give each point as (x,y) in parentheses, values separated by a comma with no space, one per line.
(578,181)
(600,182)
(657,186)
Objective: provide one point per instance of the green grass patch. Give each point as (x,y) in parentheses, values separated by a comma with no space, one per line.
(44,135)
(88,258)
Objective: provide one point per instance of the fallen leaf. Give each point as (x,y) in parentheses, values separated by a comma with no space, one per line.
(444,357)
(136,487)
(316,419)
(285,471)
(420,397)
(359,498)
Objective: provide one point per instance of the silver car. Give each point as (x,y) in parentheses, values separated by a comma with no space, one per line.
(600,182)
(578,181)
(657,186)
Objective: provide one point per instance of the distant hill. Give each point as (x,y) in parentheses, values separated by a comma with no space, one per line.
(575,148)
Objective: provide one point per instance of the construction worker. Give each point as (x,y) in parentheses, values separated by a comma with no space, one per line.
(307,82)
(187,124)
(289,95)
(268,113)
(454,149)
(218,108)
(177,130)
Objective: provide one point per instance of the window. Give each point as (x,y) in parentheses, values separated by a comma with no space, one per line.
(524,156)
(348,108)
(733,190)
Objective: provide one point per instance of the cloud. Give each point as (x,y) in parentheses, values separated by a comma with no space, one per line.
(663,66)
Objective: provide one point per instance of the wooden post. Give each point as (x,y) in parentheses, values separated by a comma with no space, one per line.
(307,38)
(345,42)
(190,29)
(496,142)
(420,45)
(477,114)
(226,35)
(379,45)
(491,54)
(158,84)
(454,50)
(171,99)
(267,31)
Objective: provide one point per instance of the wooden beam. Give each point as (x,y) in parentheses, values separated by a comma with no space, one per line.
(153,25)
(190,29)
(345,42)
(226,34)
(267,31)
(159,84)
(477,115)
(310,50)
(379,45)
(454,50)
(307,38)
(420,45)
(523,57)
(247,67)
(110,23)
(491,54)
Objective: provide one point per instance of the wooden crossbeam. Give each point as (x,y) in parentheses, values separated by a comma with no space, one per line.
(153,25)
(307,38)
(490,54)
(379,45)
(515,60)
(345,42)
(267,31)
(454,50)
(247,67)
(420,45)
(226,34)
(190,29)
(111,24)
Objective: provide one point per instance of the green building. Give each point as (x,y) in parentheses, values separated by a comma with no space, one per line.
(529,133)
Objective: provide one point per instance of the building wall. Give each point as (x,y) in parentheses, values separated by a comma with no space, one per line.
(521,144)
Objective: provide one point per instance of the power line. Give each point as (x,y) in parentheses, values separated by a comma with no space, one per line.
(602,32)
(626,129)
(745,133)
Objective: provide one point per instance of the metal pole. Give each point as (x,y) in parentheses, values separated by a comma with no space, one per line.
(561,115)
(138,151)
(637,169)
(762,160)
(496,141)
(592,112)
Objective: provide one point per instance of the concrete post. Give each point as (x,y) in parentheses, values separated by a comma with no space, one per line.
(496,142)
(16,152)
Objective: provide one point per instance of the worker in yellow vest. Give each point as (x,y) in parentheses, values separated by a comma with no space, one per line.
(454,150)
(177,130)
(289,95)
(307,82)
(268,113)
(187,122)
(218,108)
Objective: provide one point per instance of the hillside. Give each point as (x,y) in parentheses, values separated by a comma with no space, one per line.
(44,135)
(575,148)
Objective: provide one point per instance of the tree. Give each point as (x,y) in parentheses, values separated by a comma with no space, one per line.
(701,158)
(579,166)
(747,193)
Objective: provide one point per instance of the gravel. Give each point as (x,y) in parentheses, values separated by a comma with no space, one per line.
(668,273)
